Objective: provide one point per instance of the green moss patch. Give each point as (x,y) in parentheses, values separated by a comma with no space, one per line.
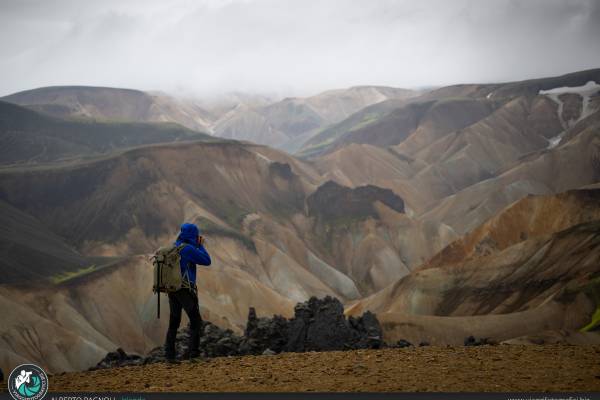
(594,323)
(67,276)
(592,290)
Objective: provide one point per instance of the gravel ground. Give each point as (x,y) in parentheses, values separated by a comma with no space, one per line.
(450,369)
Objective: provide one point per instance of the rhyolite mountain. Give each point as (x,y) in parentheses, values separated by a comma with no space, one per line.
(113,104)
(536,261)
(30,137)
(287,124)
(466,210)
(268,251)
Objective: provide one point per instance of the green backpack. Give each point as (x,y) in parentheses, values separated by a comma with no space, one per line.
(167,271)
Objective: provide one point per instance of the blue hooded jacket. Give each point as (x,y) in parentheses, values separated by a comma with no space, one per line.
(193,253)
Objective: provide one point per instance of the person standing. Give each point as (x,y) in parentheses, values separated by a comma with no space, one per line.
(192,253)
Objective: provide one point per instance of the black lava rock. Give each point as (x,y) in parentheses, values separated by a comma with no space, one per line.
(369,331)
(118,358)
(265,333)
(472,341)
(321,326)
(403,343)
(317,325)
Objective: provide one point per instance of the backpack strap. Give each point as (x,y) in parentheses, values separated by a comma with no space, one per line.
(185,282)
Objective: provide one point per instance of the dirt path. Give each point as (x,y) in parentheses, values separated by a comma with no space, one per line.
(485,368)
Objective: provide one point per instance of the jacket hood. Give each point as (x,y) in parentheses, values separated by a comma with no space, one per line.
(189,233)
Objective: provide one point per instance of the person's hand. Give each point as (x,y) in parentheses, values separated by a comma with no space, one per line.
(201,240)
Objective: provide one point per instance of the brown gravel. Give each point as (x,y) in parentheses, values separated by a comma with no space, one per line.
(486,368)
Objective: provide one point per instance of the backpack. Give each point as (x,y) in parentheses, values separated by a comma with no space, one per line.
(167,271)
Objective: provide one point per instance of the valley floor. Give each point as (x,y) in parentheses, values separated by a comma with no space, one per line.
(450,369)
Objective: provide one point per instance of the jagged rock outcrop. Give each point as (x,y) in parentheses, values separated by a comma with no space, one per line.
(265,333)
(320,325)
(317,325)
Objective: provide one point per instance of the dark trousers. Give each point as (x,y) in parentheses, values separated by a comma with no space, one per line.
(187,300)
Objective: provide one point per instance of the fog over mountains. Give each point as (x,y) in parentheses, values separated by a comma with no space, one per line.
(293,48)
(469,209)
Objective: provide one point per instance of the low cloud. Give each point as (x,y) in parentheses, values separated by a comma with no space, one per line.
(291,47)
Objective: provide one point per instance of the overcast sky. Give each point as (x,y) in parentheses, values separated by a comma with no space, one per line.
(294,47)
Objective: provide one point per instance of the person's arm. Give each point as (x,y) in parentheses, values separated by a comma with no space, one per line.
(197,255)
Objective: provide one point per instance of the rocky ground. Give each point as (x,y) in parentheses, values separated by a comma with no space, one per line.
(479,368)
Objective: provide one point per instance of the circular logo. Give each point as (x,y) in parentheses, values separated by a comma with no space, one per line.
(28,382)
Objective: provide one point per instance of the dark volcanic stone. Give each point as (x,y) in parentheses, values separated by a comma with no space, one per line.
(403,343)
(118,358)
(317,325)
(320,325)
(472,341)
(423,344)
(369,331)
(265,333)
(327,329)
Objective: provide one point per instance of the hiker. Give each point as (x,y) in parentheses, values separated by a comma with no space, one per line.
(186,298)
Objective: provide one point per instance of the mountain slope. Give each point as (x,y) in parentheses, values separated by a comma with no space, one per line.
(30,251)
(112,104)
(382,126)
(392,122)
(288,123)
(521,265)
(460,176)
(251,199)
(32,137)
(543,281)
(529,217)
(571,165)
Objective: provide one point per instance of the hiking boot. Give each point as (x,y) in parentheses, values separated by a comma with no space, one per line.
(192,354)
(170,357)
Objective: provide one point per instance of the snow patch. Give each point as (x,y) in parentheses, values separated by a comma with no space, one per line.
(585,91)
(589,88)
(555,141)
(264,158)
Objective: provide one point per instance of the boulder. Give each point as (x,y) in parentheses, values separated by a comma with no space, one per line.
(472,341)
(403,343)
(118,358)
